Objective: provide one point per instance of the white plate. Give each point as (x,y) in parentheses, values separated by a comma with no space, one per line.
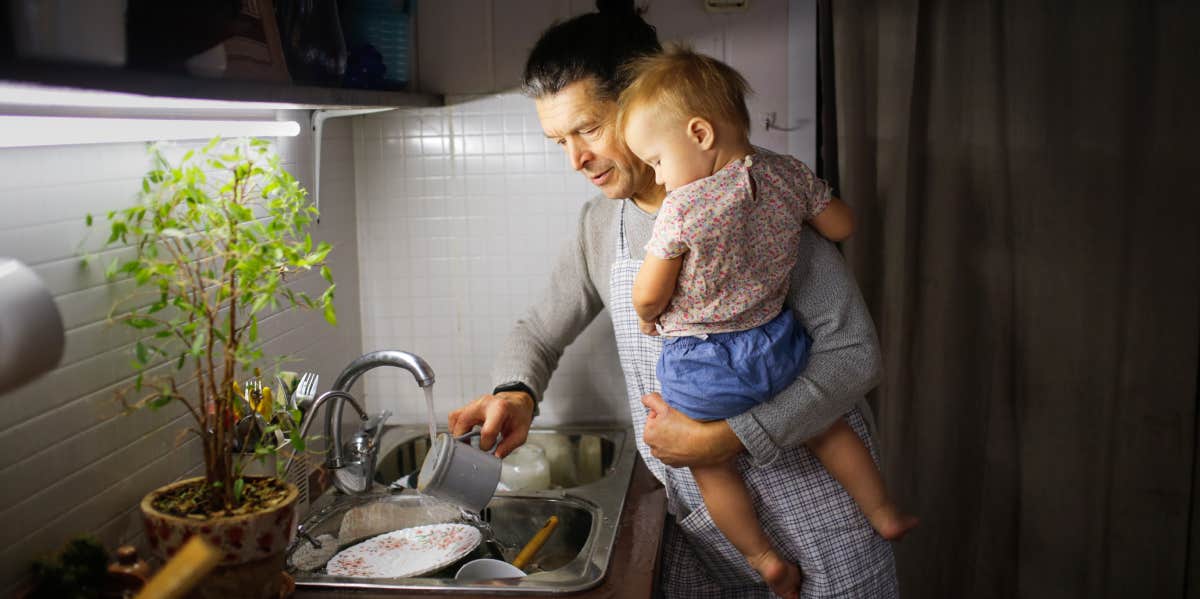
(404,553)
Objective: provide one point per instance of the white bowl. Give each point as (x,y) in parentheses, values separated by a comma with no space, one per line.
(487,569)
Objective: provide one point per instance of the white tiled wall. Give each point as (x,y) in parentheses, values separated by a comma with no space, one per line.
(462,211)
(70,463)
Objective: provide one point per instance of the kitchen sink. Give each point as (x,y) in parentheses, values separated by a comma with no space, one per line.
(587,501)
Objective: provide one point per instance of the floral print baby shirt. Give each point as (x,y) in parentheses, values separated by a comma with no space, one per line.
(740,229)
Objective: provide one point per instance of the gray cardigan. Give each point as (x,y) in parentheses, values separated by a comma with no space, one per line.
(844,361)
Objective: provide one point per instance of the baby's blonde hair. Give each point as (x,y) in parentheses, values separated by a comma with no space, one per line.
(685,84)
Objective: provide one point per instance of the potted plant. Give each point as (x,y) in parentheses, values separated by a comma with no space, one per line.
(217,236)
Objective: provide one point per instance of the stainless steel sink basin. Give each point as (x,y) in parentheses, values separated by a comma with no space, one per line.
(575,558)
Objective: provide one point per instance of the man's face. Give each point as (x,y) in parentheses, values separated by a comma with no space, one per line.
(582,123)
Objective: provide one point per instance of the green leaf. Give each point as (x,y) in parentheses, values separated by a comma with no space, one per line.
(159,401)
(140,323)
(143,356)
(238,486)
(253,329)
(296,439)
(89,219)
(260,302)
(326,274)
(330,314)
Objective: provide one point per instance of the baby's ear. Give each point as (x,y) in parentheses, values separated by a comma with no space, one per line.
(702,132)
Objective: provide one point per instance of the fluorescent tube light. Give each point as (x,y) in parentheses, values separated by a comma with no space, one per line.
(18,94)
(27,131)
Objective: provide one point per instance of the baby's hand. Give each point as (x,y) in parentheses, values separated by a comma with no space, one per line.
(648,328)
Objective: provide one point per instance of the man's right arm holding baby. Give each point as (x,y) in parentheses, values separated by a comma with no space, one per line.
(844,363)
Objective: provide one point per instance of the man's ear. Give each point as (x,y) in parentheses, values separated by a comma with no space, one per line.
(702,132)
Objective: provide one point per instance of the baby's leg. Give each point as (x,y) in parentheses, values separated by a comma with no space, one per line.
(732,510)
(846,458)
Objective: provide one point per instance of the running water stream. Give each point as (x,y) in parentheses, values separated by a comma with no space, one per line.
(432,418)
(471,518)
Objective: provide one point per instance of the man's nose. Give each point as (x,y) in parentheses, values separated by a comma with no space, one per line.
(579,153)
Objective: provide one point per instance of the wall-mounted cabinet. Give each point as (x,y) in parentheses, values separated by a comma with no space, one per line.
(480,46)
(115,79)
(280,52)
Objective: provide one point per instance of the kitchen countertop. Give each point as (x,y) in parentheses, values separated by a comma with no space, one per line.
(630,571)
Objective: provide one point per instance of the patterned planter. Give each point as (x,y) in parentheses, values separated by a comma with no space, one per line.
(253,544)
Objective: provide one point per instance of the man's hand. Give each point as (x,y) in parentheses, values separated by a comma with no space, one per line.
(680,441)
(648,328)
(508,414)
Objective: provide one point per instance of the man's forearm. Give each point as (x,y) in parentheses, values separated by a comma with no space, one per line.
(531,351)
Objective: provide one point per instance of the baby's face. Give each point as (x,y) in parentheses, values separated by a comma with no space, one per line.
(662,141)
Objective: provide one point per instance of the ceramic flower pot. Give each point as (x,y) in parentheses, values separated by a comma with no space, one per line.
(253,544)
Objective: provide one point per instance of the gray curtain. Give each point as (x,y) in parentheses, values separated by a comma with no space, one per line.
(1026,177)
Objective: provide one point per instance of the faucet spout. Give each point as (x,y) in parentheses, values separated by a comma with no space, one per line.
(385,357)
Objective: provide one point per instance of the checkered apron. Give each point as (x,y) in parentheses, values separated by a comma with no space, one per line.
(808,516)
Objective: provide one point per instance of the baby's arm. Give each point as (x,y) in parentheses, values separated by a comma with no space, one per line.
(835,222)
(654,285)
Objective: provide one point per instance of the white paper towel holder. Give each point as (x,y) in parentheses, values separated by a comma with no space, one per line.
(31,328)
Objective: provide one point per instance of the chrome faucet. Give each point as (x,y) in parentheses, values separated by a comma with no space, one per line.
(364,443)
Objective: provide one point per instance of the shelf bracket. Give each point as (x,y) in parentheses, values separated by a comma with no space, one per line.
(318,125)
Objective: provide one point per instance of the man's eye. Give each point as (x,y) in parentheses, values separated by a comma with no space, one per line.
(560,141)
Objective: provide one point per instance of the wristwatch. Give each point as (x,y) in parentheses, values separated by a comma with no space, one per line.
(518,386)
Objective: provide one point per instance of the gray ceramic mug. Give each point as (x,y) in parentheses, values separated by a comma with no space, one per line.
(456,472)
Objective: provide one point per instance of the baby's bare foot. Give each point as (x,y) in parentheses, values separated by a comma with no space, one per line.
(782,576)
(890,522)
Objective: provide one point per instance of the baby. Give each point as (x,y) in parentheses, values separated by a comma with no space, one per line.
(716,275)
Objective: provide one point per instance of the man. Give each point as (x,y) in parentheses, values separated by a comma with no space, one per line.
(573,76)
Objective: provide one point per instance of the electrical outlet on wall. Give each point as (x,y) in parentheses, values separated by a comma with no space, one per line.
(726,5)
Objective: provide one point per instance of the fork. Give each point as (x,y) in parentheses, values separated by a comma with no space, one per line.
(254,392)
(305,391)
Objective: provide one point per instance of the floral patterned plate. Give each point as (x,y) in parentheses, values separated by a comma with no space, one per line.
(407,552)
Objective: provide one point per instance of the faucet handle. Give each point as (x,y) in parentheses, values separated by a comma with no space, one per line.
(375,423)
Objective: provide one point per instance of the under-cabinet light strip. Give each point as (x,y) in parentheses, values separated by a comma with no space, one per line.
(28,131)
(17,94)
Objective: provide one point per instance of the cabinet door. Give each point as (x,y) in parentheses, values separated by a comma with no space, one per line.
(480,46)
(518,25)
